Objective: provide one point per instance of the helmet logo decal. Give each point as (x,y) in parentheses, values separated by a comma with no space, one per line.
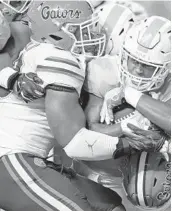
(166,194)
(47,13)
(141,54)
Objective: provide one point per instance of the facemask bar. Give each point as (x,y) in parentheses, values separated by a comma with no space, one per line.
(140,83)
(100,41)
(23,9)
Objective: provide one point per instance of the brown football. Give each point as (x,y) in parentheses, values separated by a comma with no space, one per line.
(122,112)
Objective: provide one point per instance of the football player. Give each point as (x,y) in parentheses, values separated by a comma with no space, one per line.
(146,79)
(102,76)
(29,130)
(15,35)
(145,76)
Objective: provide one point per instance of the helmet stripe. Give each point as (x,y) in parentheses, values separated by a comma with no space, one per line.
(140,179)
(112,19)
(149,35)
(136,180)
(144,179)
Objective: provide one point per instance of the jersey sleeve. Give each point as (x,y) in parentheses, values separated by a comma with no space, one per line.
(102,75)
(61,68)
(53,66)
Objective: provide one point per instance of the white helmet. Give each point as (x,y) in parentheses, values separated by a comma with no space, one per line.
(115,20)
(138,10)
(5,31)
(148,44)
(147,180)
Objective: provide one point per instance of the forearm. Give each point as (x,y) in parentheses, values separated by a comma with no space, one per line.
(64,121)
(156,111)
(69,129)
(111,130)
(3,92)
(7,73)
(91,145)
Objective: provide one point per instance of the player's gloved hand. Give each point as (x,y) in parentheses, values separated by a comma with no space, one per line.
(145,140)
(136,119)
(112,99)
(29,87)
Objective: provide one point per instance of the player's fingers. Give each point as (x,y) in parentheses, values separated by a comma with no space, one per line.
(130,134)
(103,113)
(135,128)
(38,89)
(145,133)
(38,93)
(107,118)
(133,143)
(26,98)
(28,91)
(32,91)
(110,114)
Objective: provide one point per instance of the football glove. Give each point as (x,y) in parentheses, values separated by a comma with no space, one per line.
(145,140)
(112,99)
(29,87)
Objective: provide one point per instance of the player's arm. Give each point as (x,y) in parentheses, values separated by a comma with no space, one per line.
(156,111)
(7,74)
(67,122)
(92,112)
(28,86)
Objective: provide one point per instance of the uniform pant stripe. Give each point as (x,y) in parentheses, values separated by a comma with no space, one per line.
(23,186)
(34,187)
(52,192)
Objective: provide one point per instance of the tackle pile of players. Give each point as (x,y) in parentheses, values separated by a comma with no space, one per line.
(92,78)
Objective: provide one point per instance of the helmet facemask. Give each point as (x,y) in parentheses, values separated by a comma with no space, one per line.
(143,84)
(14,10)
(17,6)
(88,40)
(75,32)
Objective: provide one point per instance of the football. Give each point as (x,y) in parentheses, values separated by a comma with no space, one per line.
(122,112)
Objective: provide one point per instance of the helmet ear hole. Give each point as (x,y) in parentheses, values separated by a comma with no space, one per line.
(54,37)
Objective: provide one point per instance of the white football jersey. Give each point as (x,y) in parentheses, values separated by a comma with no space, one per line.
(24,126)
(102,75)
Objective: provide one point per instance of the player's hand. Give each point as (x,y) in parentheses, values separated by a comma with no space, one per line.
(145,140)
(135,119)
(112,99)
(29,87)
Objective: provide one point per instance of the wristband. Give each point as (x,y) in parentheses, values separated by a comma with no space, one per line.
(7,75)
(132,96)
